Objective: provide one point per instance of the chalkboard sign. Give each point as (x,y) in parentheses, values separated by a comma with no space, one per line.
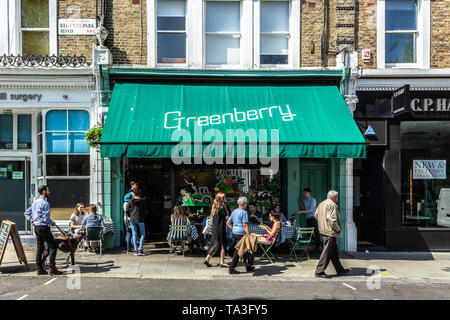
(9,228)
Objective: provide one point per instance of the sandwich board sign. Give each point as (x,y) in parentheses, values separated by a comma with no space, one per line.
(7,229)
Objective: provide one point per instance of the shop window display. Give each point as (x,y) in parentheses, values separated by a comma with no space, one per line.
(196,188)
(425,173)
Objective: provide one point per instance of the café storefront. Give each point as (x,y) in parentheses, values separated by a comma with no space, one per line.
(405,180)
(185,136)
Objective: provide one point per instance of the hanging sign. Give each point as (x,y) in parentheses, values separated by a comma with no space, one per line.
(7,229)
(400,101)
(429,169)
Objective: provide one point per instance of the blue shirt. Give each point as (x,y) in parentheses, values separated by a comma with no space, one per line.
(310,204)
(39,213)
(90,221)
(257,214)
(238,218)
(128,197)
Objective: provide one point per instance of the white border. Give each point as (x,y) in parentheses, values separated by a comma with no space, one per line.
(423,38)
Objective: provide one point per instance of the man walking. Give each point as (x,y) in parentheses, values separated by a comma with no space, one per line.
(310,205)
(39,215)
(329,223)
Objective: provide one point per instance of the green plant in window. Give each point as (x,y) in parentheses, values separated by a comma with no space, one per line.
(93,136)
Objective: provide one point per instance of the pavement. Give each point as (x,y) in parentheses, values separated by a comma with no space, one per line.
(417,267)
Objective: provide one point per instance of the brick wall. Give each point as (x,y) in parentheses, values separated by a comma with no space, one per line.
(77,45)
(367,31)
(127,39)
(440,34)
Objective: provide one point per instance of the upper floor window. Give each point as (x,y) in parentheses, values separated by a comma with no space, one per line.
(171,31)
(401,31)
(274,38)
(403,37)
(35,27)
(28,27)
(223,32)
(244,34)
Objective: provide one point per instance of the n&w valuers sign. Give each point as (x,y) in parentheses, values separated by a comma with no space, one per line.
(76,27)
(429,169)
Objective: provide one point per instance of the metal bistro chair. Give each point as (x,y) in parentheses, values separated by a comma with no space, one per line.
(267,247)
(304,238)
(94,234)
(177,237)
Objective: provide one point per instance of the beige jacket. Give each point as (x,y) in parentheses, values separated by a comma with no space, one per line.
(248,243)
(328,219)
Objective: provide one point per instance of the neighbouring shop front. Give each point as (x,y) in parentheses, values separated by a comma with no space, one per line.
(44,114)
(405,180)
(186,136)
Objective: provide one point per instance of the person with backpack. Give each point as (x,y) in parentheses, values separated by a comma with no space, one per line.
(137,211)
(126,219)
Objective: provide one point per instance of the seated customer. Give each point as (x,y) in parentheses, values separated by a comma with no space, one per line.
(254,216)
(177,218)
(271,233)
(92,220)
(277,209)
(76,219)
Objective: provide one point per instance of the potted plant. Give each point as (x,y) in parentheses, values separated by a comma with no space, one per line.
(93,136)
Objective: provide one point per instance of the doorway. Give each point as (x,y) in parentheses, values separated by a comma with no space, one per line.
(313,175)
(369,218)
(14,187)
(153,176)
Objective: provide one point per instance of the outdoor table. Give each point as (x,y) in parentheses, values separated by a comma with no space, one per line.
(109,229)
(290,232)
(192,231)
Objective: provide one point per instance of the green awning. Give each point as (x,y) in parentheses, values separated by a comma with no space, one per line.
(148,120)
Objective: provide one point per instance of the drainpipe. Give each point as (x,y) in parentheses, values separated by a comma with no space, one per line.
(348,61)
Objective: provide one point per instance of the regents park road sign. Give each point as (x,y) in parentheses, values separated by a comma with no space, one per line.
(429,169)
(70,27)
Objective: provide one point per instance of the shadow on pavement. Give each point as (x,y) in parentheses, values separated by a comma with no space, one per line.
(270,270)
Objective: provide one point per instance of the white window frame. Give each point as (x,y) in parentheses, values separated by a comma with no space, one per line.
(15,129)
(242,35)
(52,29)
(250,38)
(152,36)
(294,37)
(44,152)
(422,40)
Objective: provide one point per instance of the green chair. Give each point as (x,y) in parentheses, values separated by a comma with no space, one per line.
(177,237)
(304,239)
(267,247)
(94,234)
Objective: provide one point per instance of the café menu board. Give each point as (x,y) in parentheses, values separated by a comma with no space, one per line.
(7,229)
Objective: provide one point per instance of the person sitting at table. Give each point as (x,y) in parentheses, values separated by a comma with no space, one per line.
(282,217)
(76,219)
(254,216)
(92,219)
(272,233)
(177,218)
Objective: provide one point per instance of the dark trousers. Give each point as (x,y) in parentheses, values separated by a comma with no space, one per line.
(329,252)
(43,234)
(312,223)
(248,258)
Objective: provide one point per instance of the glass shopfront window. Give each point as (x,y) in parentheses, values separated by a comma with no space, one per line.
(196,187)
(64,162)
(425,174)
